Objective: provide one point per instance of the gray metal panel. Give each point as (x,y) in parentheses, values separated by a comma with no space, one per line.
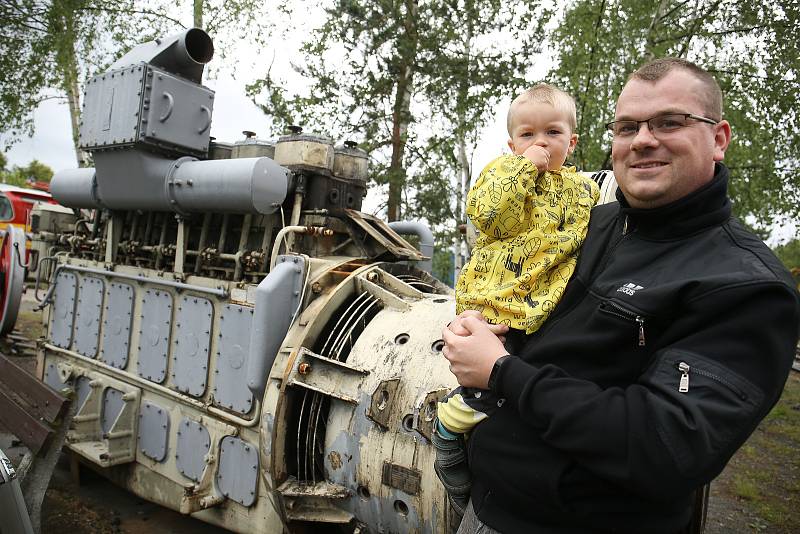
(111,108)
(83,388)
(117,325)
(53,378)
(277,298)
(238,470)
(63,314)
(87,315)
(153,431)
(154,334)
(193,444)
(112,406)
(193,338)
(230,385)
(178,113)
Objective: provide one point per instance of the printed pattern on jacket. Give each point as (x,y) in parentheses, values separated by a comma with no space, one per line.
(531,228)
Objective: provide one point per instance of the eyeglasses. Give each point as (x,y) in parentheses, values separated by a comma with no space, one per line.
(660,124)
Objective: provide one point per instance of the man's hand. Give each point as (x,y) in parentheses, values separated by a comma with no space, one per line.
(539,156)
(471,345)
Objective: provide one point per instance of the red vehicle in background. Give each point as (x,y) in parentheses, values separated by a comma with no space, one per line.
(16,204)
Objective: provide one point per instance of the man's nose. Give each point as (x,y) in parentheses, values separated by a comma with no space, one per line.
(644,137)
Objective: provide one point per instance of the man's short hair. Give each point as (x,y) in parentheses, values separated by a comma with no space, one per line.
(545,93)
(658,68)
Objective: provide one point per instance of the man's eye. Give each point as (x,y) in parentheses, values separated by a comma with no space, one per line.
(626,128)
(667,123)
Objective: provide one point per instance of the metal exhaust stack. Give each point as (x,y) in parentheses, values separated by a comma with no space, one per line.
(147,123)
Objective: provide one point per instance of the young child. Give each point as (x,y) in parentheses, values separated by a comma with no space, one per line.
(532,214)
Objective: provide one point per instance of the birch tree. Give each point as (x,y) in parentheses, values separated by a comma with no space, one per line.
(486,52)
(390,72)
(749,47)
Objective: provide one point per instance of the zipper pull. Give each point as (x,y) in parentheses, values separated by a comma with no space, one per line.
(640,320)
(683,367)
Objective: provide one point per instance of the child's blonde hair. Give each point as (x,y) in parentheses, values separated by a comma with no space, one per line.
(545,93)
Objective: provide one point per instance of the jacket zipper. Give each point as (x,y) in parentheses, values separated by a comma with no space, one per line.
(683,386)
(619,311)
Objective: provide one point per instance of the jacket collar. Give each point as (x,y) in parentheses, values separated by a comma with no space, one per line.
(708,206)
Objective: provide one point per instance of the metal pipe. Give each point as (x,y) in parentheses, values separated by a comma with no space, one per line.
(307,230)
(98,214)
(184,53)
(266,240)
(130,179)
(425,235)
(180,242)
(222,293)
(243,238)
(294,219)
(162,240)
(202,244)
(223,232)
(148,228)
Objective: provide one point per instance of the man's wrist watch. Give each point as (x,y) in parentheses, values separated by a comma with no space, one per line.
(493,376)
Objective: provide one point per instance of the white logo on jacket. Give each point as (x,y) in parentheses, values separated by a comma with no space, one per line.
(629,289)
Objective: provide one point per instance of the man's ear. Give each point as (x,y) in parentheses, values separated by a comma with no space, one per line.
(722,138)
(511,146)
(573,140)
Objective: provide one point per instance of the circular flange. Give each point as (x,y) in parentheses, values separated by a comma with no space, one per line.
(12,275)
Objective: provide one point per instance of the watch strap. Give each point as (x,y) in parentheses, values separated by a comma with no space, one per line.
(494,375)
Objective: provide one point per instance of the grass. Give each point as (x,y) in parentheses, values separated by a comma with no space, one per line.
(745,488)
(764,475)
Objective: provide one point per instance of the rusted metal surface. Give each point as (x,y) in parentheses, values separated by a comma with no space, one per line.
(27,428)
(44,403)
(402,478)
(384,398)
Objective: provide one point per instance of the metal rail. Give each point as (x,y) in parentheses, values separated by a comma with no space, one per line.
(157,388)
(218,292)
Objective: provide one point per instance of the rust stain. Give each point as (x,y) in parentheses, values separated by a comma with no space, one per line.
(336,460)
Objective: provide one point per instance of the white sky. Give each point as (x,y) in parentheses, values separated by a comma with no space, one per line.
(234,112)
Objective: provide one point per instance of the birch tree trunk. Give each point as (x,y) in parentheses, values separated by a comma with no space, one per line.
(401,113)
(198,13)
(68,64)
(462,187)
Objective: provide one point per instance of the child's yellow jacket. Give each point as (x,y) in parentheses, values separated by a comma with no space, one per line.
(530,230)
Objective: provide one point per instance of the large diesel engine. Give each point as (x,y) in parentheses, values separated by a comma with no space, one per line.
(245,345)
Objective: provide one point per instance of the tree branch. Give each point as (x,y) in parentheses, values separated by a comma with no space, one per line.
(133,12)
(711,34)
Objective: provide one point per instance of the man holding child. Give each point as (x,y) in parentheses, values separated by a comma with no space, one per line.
(671,341)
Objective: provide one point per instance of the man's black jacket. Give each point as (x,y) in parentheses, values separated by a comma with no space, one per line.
(672,341)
